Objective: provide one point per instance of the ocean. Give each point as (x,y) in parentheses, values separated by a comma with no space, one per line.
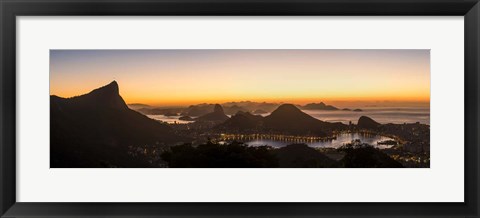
(397,115)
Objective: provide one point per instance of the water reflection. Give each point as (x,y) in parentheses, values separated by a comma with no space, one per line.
(169,119)
(334,142)
(383,115)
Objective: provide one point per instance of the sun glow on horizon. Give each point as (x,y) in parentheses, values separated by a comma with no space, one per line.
(186,77)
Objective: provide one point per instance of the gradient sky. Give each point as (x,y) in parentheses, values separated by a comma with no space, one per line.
(185,77)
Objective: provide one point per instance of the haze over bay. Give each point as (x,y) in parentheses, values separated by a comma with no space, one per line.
(186,77)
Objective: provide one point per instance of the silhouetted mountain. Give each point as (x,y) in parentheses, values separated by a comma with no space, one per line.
(241,121)
(198,110)
(286,119)
(202,109)
(95,130)
(365,122)
(218,115)
(234,109)
(346,109)
(358,110)
(251,106)
(319,106)
(106,97)
(259,111)
(289,119)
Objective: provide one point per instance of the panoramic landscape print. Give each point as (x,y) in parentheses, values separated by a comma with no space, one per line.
(240,108)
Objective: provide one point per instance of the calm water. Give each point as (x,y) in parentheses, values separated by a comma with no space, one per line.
(380,114)
(168,119)
(341,140)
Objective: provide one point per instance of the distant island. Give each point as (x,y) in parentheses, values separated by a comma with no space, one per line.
(319,106)
(230,108)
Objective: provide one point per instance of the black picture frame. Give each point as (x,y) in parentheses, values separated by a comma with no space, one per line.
(470,9)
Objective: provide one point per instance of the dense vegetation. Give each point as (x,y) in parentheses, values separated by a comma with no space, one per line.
(238,155)
(219,156)
(366,156)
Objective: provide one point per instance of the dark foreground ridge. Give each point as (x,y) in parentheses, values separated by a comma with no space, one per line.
(238,155)
(95,130)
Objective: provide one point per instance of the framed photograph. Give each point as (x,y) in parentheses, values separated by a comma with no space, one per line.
(257,108)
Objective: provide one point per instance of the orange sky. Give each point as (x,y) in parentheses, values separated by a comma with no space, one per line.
(185,77)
